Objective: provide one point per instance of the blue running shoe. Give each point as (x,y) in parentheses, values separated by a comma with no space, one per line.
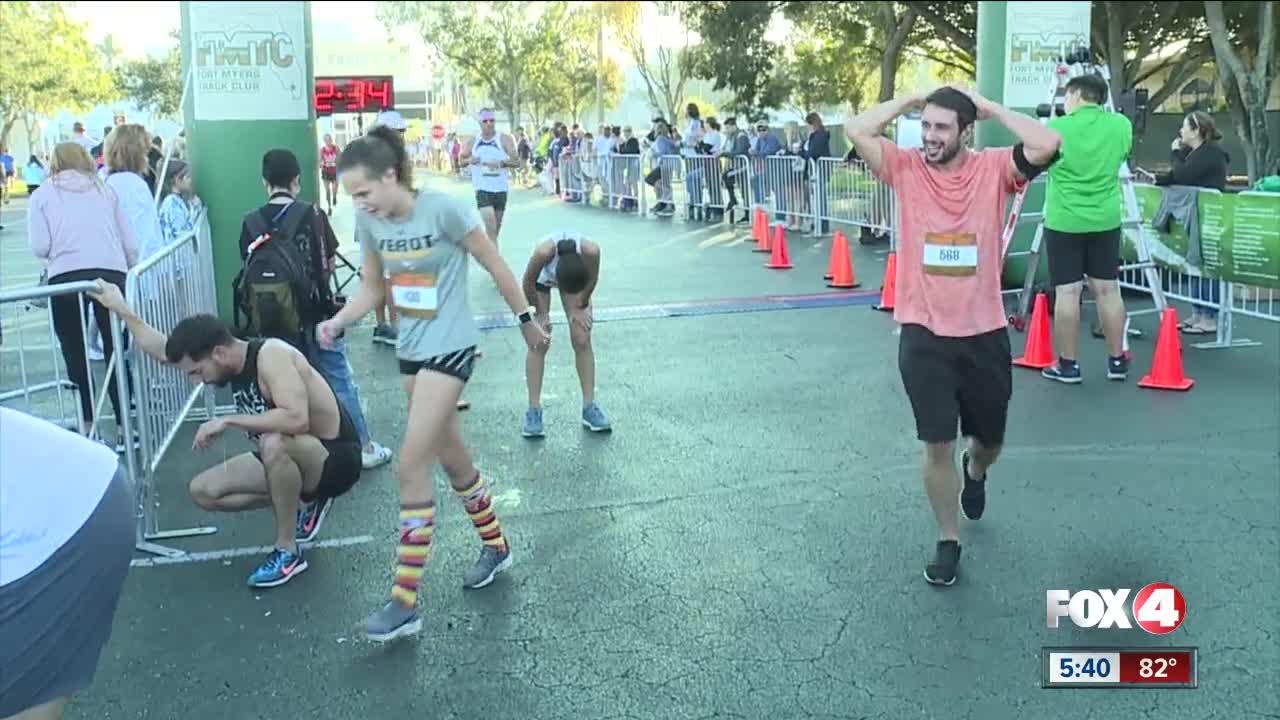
(310,517)
(280,567)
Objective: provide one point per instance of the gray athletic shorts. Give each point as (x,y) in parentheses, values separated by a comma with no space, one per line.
(55,620)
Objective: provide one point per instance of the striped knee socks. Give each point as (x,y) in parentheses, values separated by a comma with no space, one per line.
(478,502)
(417,522)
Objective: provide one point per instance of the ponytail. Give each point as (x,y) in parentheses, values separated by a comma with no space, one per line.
(380,150)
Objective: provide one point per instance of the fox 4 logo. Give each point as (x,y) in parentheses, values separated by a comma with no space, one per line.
(1158,608)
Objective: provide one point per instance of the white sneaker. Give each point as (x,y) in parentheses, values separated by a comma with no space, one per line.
(377,455)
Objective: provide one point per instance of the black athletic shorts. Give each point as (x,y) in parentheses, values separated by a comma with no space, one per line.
(495,200)
(458,363)
(969,379)
(342,468)
(1075,255)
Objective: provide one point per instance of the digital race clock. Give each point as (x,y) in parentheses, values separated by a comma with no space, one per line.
(354,94)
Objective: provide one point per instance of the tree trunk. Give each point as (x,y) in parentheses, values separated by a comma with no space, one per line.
(1247,88)
(9,121)
(895,31)
(1115,50)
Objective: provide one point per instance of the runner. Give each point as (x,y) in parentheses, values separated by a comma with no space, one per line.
(1082,214)
(570,262)
(308,451)
(329,171)
(490,155)
(953,353)
(418,244)
(66,536)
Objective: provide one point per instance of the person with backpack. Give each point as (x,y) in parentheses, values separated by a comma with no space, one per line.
(284,291)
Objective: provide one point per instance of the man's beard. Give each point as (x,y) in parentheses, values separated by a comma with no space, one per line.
(949,153)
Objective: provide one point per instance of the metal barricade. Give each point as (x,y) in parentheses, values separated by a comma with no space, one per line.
(668,187)
(625,178)
(171,285)
(704,189)
(571,186)
(22,301)
(785,178)
(848,193)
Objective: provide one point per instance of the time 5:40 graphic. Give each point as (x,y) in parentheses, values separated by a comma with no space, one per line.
(1063,667)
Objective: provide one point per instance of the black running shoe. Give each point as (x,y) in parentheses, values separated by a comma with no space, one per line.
(973,493)
(1117,368)
(942,571)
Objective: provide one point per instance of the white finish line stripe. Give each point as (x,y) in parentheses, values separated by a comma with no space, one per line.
(242,552)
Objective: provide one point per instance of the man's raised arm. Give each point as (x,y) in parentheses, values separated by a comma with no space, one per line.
(151,341)
(866,129)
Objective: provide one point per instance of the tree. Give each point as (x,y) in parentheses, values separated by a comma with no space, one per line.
(1126,35)
(735,55)
(489,44)
(154,84)
(1243,36)
(669,68)
(577,65)
(48,64)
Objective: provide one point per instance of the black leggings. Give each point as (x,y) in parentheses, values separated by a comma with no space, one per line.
(70,331)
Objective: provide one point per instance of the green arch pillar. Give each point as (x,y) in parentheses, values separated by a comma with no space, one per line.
(250,91)
(1018,46)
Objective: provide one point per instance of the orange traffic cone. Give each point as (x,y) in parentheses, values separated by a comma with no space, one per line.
(762,239)
(1166,368)
(1039,350)
(842,277)
(781,259)
(833,261)
(889,288)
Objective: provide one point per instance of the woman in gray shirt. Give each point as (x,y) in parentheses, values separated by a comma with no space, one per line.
(416,244)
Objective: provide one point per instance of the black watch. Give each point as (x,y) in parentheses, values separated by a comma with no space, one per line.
(527,315)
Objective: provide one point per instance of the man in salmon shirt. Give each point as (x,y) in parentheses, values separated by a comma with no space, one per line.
(953,353)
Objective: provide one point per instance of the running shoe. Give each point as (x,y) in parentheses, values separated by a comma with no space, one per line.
(533,423)
(973,493)
(280,567)
(594,419)
(942,571)
(1118,368)
(1065,371)
(491,562)
(311,516)
(392,621)
(375,456)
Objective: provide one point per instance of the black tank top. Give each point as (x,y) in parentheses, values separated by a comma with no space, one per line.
(249,399)
(244,386)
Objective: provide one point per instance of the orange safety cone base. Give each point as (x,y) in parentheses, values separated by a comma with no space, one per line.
(781,259)
(1152,383)
(1166,368)
(1038,352)
(844,286)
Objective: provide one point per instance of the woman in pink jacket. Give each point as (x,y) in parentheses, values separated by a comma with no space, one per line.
(77,224)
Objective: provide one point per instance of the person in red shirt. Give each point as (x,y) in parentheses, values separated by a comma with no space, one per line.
(953,352)
(329,171)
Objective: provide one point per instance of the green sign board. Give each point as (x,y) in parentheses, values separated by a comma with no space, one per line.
(1250,251)
(1239,236)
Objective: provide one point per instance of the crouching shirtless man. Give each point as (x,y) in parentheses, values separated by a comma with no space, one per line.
(308,449)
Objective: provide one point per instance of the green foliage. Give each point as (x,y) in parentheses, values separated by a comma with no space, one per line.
(735,55)
(665,70)
(488,44)
(49,64)
(155,84)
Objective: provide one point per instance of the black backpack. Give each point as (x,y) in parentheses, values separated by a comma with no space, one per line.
(275,293)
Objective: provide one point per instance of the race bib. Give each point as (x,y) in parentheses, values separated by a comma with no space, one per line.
(414,294)
(951,254)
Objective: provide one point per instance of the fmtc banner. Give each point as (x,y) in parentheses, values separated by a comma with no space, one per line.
(1036,35)
(250,61)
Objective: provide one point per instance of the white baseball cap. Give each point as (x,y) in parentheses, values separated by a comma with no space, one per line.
(391,119)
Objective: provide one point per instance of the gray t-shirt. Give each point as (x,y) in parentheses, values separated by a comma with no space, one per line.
(425,269)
